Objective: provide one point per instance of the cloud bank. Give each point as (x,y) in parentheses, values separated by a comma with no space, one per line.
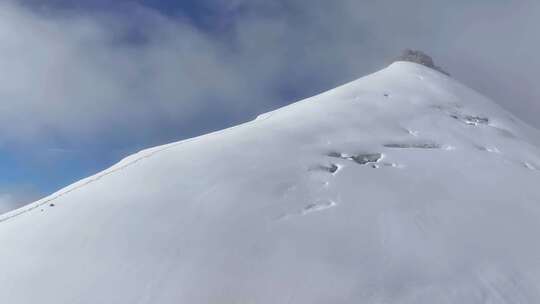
(99,76)
(103,75)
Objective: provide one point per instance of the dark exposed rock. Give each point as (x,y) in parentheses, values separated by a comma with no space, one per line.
(333,168)
(420,58)
(362,159)
(336,155)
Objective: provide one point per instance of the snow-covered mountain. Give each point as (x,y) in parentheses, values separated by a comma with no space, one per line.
(401,187)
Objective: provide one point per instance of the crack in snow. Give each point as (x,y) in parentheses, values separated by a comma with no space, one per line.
(427,145)
(470,119)
(318,206)
(332,168)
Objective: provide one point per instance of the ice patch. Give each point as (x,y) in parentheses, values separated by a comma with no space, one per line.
(318,206)
(470,119)
(489,149)
(530,166)
(449,148)
(413,133)
(393,165)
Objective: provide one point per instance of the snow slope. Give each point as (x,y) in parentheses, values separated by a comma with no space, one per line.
(401,187)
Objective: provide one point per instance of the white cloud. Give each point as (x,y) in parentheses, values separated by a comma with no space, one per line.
(8,202)
(76,76)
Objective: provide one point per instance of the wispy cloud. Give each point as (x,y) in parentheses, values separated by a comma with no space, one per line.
(6,203)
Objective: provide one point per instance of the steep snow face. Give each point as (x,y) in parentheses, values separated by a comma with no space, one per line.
(401,187)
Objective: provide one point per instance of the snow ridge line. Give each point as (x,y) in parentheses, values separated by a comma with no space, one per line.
(89,180)
(80,185)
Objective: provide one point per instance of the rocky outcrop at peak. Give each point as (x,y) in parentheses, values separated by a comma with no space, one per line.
(420,58)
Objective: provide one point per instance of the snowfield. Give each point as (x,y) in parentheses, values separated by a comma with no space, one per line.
(401,187)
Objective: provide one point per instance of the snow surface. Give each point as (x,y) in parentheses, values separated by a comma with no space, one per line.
(401,187)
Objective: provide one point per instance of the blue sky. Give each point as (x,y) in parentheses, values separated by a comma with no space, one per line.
(86,83)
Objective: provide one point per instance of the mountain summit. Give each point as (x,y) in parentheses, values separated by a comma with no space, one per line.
(420,58)
(401,187)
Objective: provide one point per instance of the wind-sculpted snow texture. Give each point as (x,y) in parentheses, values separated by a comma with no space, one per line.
(401,187)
